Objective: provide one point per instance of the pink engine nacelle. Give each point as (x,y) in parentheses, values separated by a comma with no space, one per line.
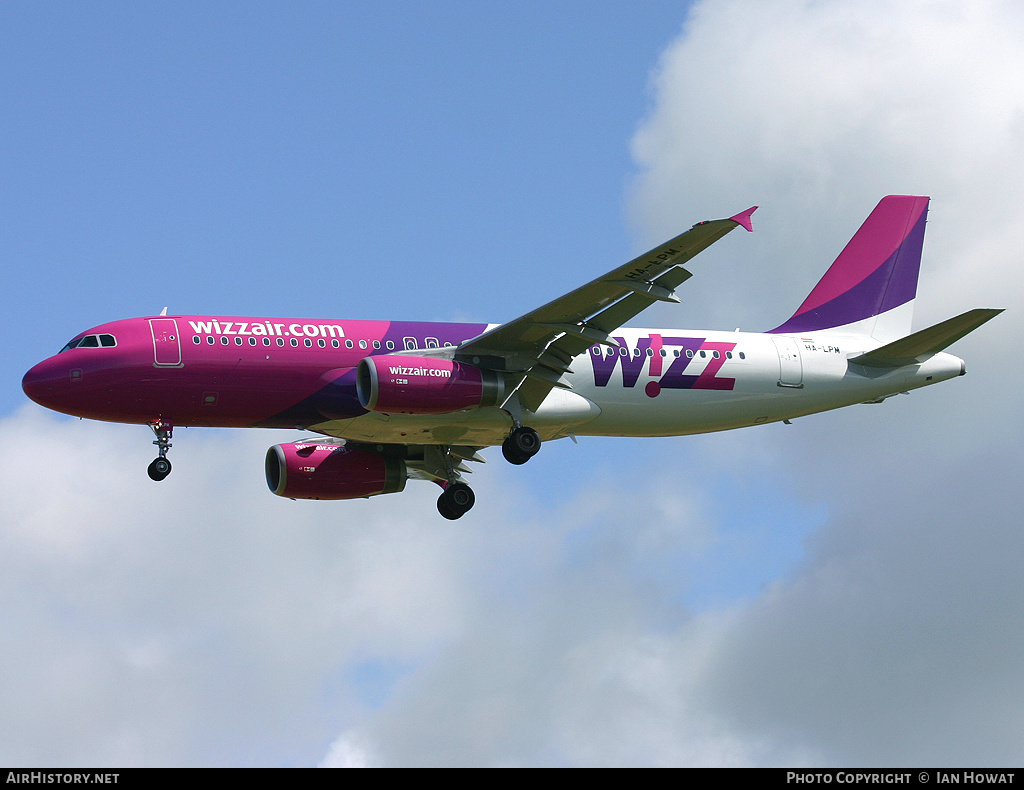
(424,385)
(307,470)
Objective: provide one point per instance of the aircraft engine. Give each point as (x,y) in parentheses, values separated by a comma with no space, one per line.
(424,385)
(307,470)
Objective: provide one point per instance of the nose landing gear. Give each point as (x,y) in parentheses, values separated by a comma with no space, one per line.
(161,467)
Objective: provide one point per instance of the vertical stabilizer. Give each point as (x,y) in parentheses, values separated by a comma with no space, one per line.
(870,288)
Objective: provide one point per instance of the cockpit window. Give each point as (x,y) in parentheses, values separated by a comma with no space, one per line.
(91,341)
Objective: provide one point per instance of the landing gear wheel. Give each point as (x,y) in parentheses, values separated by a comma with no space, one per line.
(456,501)
(159,469)
(521,445)
(442,508)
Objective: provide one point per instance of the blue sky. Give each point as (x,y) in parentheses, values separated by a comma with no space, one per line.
(408,161)
(757,597)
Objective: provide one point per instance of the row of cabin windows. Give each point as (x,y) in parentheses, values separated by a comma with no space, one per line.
(624,352)
(410,343)
(108,340)
(92,341)
(307,342)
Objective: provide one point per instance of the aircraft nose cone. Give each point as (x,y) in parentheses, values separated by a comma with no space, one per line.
(42,382)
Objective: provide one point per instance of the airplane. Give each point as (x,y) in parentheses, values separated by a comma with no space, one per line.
(391,401)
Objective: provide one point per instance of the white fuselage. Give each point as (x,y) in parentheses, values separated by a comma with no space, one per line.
(668,382)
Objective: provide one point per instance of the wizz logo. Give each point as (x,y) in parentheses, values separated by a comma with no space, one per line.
(632,363)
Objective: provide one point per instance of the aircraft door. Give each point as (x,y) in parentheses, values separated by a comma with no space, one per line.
(166,345)
(791,369)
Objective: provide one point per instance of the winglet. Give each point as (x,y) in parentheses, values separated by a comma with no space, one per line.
(743,218)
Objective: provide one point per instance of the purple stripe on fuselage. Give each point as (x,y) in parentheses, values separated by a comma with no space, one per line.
(337,398)
(860,284)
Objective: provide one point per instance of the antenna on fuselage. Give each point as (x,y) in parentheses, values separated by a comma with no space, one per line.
(164,311)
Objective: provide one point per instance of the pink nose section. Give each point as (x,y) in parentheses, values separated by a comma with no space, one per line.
(33,386)
(44,383)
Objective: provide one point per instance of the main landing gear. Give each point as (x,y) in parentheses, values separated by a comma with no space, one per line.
(161,467)
(455,501)
(445,468)
(521,445)
(458,498)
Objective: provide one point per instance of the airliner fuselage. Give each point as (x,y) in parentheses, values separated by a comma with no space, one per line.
(217,371)
(392,400)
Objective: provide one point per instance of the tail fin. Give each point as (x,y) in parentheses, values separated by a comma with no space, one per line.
(870,289)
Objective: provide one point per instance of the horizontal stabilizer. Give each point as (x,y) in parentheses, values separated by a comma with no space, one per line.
(916,348)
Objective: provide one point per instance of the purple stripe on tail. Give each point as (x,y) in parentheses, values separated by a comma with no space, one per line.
(876,272)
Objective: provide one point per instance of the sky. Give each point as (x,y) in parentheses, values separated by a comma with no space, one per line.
(844,590)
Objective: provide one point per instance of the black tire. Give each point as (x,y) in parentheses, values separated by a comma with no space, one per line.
(159,469)
(443,509)
(461,497)
(521,445)
(456,500)
(511,454)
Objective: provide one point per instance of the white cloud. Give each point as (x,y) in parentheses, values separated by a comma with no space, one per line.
(895,641)
(194,620)
(345,753)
